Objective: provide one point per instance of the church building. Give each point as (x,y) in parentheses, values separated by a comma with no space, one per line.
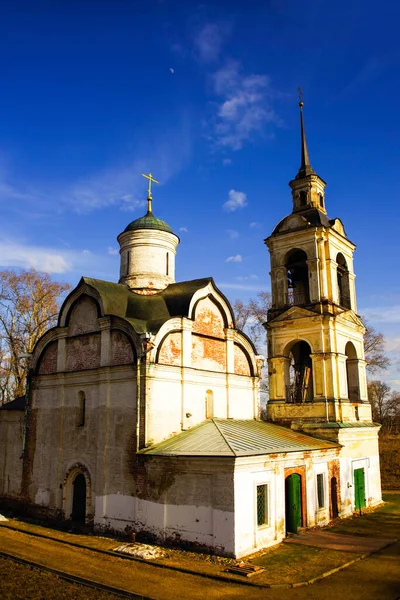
(142,405)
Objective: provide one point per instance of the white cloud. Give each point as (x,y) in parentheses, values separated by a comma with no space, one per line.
(172,70)
(247,278)
(49,260)
(112,251)
(121,186)
(240,286)
(183,229)
(236,258)
(226,162)
(244,106)
(382,314)
(232,233)
(208,42)
(255,225)
(236,200)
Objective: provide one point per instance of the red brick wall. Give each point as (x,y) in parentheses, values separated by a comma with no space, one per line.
(241,362)
(171,349)
(121,349)
(48,362)
(83,352)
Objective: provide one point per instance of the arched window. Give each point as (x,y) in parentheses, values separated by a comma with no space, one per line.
(353,382)
(297,278)
(209,404)
(299,381)
(81,409)
(321,200)
(128,262)
(303,198)
(343,282)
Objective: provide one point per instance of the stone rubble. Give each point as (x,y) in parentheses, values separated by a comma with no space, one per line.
(145,551)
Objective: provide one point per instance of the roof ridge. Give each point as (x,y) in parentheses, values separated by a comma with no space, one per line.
(223,435)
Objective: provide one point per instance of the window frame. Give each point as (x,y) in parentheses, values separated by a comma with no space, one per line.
(320,489)
(266,503)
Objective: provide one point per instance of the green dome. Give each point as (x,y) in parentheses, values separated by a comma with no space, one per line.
(149,221)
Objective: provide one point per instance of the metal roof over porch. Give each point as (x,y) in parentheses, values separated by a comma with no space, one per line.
(235,438)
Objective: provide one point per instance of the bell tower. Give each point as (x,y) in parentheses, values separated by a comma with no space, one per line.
(315,337)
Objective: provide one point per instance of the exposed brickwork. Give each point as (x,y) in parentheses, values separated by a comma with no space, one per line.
(334,471)
(83,352)
(121,349)
(171,349)
(48,362)
(83,317)
(208,319)
(241,363)
(208,353)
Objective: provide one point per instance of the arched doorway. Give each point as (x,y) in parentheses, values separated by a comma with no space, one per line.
(299,380)
(334,498)
(297,278)
(76,501)
(293,508)
(79,498)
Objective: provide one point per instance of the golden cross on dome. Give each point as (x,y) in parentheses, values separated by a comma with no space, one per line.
(151,180)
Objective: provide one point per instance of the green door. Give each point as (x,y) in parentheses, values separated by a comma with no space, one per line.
(359,489)
(293,502)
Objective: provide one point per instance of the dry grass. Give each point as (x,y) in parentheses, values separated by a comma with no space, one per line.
(292,563)
(19,582)
(389,450)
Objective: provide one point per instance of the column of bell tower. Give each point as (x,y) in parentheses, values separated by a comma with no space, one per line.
(315,337)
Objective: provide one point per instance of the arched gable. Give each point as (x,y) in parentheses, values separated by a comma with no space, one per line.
(223,308)
(169,351)
(47,363)
(209,318)
(83,315)
(80,295)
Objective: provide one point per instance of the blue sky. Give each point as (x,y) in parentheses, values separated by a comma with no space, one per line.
(93,93)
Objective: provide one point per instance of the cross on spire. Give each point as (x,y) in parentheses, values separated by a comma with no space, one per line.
(149,196)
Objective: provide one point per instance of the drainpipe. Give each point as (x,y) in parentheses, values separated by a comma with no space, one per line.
(145,347)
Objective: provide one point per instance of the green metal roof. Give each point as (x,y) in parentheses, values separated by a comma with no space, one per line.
(149,221)
(340,425)
(146,313)
(235,438)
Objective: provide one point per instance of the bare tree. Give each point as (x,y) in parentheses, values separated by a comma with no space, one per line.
(374,349)
(29,305)
(385,404)
(250,317)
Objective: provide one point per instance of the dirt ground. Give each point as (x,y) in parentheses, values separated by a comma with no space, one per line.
(286,563)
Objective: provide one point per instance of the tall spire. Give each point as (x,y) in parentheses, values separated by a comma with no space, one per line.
(305,168)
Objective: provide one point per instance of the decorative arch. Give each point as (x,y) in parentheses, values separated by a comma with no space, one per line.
(196,312)
(343,281)
(352,373)
(76,470)
(81,290)
(298,291)
(82,315)
(299,372)
(169,349)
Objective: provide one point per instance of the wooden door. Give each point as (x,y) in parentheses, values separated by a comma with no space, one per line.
(293,502)
(359,489)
